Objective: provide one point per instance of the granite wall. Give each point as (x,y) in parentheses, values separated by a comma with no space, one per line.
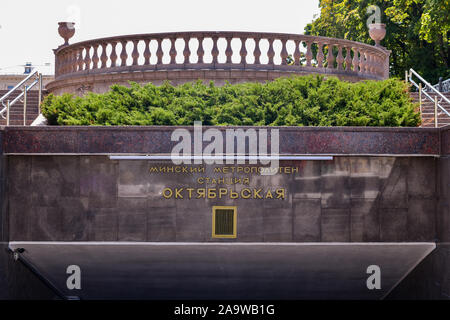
(17,281)
(349,199)
(431,279)
(364,195)
(3,228)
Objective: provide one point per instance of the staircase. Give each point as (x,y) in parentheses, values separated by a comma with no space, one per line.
(16,112)
(433,114)
(428,110)
(21,98)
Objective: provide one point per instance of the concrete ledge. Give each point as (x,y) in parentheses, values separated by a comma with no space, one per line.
(99,81)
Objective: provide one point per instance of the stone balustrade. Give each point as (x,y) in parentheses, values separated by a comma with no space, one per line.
(233,56)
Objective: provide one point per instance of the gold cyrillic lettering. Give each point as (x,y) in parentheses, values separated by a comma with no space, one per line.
(167,196)
(246,194)
(281,194)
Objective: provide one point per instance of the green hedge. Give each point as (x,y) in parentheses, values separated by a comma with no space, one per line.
(294,101)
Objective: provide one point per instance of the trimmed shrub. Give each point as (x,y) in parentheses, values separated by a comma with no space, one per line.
(293,101)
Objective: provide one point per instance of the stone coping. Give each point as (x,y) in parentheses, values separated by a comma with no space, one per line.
(293,140)
(445,141)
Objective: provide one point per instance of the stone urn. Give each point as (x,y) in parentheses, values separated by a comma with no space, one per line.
(66,30)
(377,32)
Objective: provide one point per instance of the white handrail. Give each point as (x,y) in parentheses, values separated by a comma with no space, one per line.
(428,85)
(23,93)
(21,84)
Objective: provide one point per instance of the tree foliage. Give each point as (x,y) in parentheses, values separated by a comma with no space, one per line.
(418,31)
(294,101)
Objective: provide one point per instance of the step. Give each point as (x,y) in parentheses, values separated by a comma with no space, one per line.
(15,123)
(428,109)
(21,118)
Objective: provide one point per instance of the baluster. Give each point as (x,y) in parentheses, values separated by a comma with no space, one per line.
(373,63)
(200,50)
(173,51)
(135,53)
(309,54)
(257,52)
(160,52)
(147,53)
(124,54)
(366,62)
(113,54)
(330,57)
(70,62)
(75,53)
(320,55)
(87,59)
(187,50)
(80,61)
(104,56)
(340,58)
(355,60)
(369,63)
(297,53)
(229,50)
(362,61)
(243,52)
(215,50)
(348,59)
(284,53)
(67,61)
(95,58)
(271,52)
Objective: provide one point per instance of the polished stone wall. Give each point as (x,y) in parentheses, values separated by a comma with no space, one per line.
(349,199)
(431,279)
(344,141)
(384,185)
(3,229)
(17,281)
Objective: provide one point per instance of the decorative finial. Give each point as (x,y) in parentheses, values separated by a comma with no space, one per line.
(377,32)
(66,30)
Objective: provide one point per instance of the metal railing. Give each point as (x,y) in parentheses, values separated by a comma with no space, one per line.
(34,76)
(443,86)
(425,88)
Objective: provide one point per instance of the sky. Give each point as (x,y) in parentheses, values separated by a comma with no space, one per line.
(29,28)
